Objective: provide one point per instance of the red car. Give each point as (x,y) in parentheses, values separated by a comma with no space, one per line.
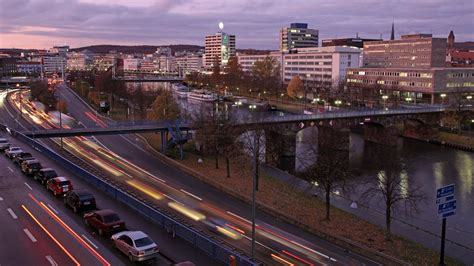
(59,185)
(104,221)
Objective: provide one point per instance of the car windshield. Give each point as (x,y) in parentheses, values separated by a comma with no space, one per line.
(143,242)
(84,197)
(35,165)
(64,183)
(15,149)
(3,141)
(26,155)
(110,218)
(50,174)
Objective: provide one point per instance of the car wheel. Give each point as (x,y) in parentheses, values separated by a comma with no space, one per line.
(55,194)
(130,257)
(101,232)
(86,222)
(65,201)
(35,178)
(75,209)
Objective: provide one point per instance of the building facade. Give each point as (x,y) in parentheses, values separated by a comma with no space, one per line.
(354,42)
(219,48)
(189,63)
(54,64)
(29,67)
(79,60)
(131,64)
(247,61)
(298,35)
(8,66)
(326,64)
(412,51)
(422,84)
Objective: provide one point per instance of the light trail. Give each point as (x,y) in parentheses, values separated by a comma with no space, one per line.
(145,189)
(51,236)
(68,229)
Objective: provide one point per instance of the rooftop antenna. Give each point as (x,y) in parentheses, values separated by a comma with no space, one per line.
(380,36)
(357,35)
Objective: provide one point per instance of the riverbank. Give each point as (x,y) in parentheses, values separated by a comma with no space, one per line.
(287,202)
(452,140)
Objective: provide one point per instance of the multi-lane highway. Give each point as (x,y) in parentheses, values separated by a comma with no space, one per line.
(38,229)
(125,160)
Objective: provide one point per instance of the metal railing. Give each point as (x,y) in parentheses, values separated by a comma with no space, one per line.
(213,247)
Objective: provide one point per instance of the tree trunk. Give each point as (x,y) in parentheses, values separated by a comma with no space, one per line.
(388,222)
(328,203)
(227,162)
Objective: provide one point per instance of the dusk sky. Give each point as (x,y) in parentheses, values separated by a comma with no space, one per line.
(44,23)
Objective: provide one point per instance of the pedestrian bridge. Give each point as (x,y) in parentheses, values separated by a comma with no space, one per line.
(131,127)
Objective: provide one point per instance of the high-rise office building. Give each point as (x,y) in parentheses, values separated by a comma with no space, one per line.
(298,36)
(219,48)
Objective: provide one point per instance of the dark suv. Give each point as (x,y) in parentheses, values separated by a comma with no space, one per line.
(45,174)
(30,167)
(21,157)
(79,200)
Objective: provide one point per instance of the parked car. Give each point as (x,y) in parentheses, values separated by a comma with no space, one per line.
(4,144)
(104,221)
(45,174)
(79,200)
(10,152)
(59,185)
(30,167)
(136,245)
(21,157)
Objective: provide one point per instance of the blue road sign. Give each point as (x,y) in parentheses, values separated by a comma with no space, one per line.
(447,207)
(445,199)
(446,214)
(445,191)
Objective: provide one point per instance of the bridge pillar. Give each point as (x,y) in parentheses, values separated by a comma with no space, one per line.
(380,134)
(333,141)
(280,148)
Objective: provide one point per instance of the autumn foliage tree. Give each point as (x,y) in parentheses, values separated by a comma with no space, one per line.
(295,87)
(164,107)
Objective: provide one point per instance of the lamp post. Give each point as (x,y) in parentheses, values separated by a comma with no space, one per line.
(338,102)
(443,95)
(384,97)
(408,99)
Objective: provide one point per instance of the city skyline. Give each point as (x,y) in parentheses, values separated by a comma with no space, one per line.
(44,23)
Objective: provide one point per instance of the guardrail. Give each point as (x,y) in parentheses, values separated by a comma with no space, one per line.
(214,248)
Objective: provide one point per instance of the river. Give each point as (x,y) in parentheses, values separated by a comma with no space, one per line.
(426,165)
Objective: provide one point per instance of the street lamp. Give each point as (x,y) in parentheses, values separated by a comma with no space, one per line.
(338,102)
(469,97)
(384,97)
(443,95)
(408,99)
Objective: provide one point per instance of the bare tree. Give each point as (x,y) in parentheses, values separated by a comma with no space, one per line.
(252,142)
(391,185)
(216,132)
(325,162)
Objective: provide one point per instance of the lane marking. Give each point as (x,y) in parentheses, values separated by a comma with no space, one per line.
(1,199)
(236,216)
(90,242)
(51,260)
(11,170)
(30,235)
(53,209)
(26,184)
(190,194)
(51,236)
(12,213)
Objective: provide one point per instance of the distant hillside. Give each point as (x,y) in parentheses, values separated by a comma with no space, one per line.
(148,49)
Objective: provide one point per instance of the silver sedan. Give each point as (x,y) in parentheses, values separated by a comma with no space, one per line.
(136,245)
